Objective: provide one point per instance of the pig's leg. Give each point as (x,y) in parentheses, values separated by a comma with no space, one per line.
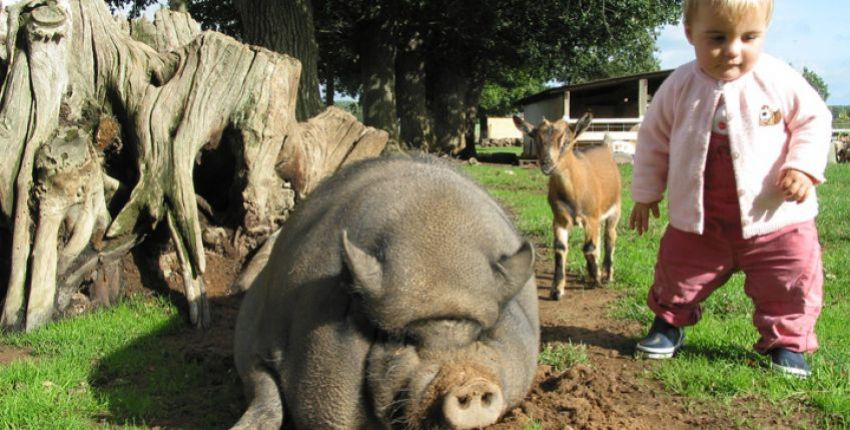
(265,410)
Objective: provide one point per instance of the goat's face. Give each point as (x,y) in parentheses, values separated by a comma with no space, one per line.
(553,139)
(550,140)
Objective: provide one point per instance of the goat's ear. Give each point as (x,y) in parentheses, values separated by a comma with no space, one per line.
(524,126)
(582,124)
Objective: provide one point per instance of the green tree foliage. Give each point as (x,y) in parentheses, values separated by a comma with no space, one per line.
(218,15)
(136,7)
(840,116)
(816,82)
(473,52)
(498,97)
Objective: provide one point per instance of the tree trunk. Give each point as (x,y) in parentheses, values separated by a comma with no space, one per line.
(103,135)
(473,96)
(414,118)
(449,105)
(377,66)
(330,90)
(287,27)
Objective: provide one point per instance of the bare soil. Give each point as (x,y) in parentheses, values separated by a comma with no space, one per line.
(9,354)
(613,391)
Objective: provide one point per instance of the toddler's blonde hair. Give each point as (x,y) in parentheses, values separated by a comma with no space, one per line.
(727,8)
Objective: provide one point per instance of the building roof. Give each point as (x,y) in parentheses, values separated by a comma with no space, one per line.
(592,85)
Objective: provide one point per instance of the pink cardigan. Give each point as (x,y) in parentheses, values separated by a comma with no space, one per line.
(776,121)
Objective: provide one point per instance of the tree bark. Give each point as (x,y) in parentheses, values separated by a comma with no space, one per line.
(83,99)
(377,66)
(330,90)
(473,95)
(448,98)
(414,118)
(287,27)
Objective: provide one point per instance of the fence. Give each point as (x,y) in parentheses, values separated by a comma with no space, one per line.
(624,129)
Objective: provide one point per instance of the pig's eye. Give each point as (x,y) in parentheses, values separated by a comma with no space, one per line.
(402,338)
(444,333)
(410,340)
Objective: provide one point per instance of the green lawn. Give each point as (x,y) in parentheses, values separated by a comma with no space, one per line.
(115,367)
(717,360)
(516,150)
(122,366)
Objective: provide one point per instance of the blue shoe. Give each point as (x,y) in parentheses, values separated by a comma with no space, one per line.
(662,341)
(789,362)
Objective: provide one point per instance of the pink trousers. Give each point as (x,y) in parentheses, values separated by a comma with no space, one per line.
(784,279)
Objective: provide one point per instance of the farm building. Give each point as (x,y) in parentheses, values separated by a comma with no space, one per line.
(617,105)
(496,127)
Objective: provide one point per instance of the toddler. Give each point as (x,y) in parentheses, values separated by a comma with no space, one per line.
(739,140)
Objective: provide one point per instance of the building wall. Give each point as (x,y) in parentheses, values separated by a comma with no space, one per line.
(502,128)
(552,109)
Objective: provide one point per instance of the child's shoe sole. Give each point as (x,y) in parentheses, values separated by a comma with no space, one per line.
(791,371)
(655,355)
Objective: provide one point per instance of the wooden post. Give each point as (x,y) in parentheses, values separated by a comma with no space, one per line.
(643,96)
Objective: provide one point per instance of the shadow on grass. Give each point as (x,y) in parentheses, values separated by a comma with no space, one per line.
(177,377)
(727,353)
(498,158)
(624,345)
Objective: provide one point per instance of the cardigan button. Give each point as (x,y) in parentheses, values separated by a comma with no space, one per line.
(741,193)
(736,155)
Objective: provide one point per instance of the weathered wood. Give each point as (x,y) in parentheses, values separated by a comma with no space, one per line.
(176,93)
(305,165)
(169,31)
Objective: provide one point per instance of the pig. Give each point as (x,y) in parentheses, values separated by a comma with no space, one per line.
(397,295)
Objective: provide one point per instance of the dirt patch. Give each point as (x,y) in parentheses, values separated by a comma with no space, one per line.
(8,354)
(613,391)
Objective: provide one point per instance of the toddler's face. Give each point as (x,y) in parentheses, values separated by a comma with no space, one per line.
(727,47)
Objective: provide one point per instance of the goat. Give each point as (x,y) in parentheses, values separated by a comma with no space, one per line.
(584,191)
(842,148)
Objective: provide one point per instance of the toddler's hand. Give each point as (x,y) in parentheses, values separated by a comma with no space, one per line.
(639,218)
(795,185)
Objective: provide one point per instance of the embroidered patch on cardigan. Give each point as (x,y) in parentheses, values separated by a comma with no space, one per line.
(768,116)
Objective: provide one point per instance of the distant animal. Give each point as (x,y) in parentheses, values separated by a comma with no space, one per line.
(842,149)
(397,295)
(584,190)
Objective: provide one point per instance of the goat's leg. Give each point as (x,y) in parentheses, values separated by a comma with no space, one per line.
(610,245)
(562,239)
(591,250)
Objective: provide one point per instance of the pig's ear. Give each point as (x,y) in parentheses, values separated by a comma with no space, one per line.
(365,269)
(516,268)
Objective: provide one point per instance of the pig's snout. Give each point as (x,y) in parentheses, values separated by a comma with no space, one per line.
(474,404)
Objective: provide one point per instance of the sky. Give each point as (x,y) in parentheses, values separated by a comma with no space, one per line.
(810,33)
(805,33)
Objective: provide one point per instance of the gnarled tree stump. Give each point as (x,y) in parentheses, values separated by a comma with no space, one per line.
(102,134)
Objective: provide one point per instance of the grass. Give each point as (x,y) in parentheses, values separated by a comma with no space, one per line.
(516,150)
(54,388)
(562,356)
(532,425)
(717,361)
(108,368)
(123,366)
